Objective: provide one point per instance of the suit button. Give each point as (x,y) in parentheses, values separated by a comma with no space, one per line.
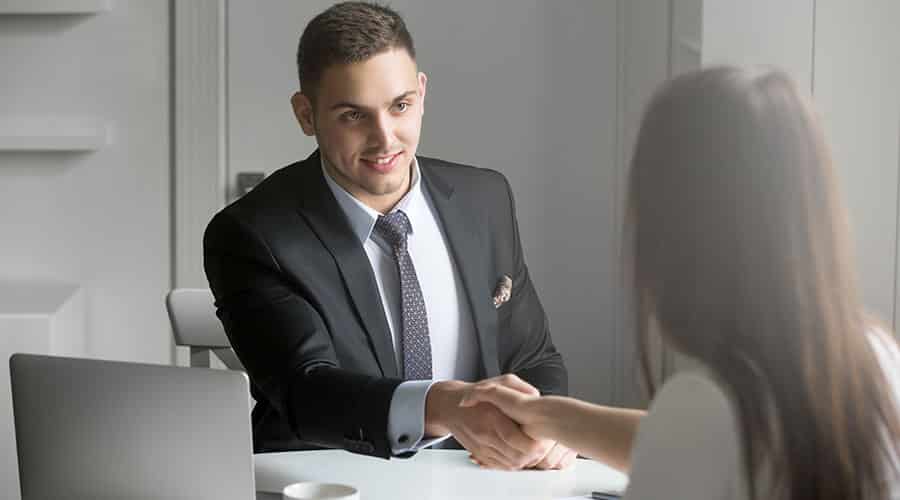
(403,439)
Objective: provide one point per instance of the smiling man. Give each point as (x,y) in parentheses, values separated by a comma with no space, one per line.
(366,289)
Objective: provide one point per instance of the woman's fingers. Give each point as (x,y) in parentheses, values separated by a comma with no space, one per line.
(499,396)
(514,382)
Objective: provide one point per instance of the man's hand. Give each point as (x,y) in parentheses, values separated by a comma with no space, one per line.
(521,406)
(494,440)
(559,457)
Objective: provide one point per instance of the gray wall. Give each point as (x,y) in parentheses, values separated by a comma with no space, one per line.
(97,220)
(523,87)
(856,86)
(847,54)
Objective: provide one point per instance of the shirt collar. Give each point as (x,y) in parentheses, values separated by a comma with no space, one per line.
(362,217)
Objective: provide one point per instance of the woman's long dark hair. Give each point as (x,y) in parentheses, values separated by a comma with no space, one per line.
(741,257)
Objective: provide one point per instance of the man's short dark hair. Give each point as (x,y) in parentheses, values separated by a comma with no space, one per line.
(346,33)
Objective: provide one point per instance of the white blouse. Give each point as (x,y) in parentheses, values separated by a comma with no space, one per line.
(689,445)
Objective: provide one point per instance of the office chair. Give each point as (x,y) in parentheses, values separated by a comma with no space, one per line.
(194,324)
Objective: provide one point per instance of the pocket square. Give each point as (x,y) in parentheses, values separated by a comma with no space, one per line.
(503,291)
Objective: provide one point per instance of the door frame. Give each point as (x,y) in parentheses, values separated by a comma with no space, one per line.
(200,159)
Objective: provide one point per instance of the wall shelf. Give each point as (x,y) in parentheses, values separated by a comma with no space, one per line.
(42,317)
(27,298)
(53,133)
(36,318)
(54,7)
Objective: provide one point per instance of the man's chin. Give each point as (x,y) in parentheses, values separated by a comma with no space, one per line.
(386,185)
(385,191)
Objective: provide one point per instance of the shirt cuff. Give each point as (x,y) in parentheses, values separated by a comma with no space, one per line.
(406,418)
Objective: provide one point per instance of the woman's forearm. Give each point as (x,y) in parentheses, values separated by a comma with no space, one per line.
(600,432)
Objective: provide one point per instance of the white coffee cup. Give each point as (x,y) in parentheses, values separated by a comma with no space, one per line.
(319,491)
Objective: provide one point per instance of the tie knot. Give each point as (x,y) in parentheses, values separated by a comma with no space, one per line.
(394,227)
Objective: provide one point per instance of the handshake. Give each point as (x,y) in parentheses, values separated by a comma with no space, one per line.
(496,421)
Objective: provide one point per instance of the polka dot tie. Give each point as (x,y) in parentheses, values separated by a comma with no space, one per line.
(416,343)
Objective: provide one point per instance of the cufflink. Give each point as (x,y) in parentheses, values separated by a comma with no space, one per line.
(503,291)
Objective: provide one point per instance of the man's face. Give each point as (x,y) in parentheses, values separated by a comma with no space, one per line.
(367,119)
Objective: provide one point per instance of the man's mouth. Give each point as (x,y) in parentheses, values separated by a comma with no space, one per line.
(383,163)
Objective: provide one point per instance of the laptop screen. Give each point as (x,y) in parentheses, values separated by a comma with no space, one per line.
(105,429)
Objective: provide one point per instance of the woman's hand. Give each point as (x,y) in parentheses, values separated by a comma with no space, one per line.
(523,407)
(600,432)
(518,405)
(493,438)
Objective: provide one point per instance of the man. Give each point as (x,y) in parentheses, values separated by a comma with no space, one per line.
(365,288)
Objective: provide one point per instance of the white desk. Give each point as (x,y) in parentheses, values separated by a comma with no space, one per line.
(430,475)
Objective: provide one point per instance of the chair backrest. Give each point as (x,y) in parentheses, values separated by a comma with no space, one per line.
(192,312)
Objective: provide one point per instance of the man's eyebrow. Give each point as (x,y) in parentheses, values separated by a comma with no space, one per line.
(345,104)
(405,95)
(351,105)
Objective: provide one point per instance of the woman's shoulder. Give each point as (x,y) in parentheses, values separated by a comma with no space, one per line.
(690,410)
(695,391)
(888,354)
(689,442)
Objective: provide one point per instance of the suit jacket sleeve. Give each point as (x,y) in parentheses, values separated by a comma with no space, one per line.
(524,343)
(286,348)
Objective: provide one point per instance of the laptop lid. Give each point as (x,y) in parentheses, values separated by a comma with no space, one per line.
(92,429)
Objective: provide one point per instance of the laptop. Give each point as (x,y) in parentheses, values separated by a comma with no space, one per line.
(91,429)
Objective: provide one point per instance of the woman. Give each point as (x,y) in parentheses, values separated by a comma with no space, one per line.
(741,262)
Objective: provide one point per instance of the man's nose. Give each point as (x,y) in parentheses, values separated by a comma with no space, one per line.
(382,133)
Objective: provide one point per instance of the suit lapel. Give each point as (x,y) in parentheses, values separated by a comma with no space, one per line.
(321,211)
(471,257)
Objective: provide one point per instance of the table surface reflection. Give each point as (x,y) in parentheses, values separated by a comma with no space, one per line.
(429,475)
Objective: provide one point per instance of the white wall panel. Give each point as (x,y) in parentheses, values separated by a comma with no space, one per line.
(857,91)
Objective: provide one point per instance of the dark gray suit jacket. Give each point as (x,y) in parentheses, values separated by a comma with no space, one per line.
(299,302)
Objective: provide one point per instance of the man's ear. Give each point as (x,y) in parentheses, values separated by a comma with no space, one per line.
(423,84)
(303,110)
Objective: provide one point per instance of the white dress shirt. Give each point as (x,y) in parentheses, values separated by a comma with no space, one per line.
(454,346)
(690,443)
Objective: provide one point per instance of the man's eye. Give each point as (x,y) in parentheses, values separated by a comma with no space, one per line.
(402,106)
(352,116)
